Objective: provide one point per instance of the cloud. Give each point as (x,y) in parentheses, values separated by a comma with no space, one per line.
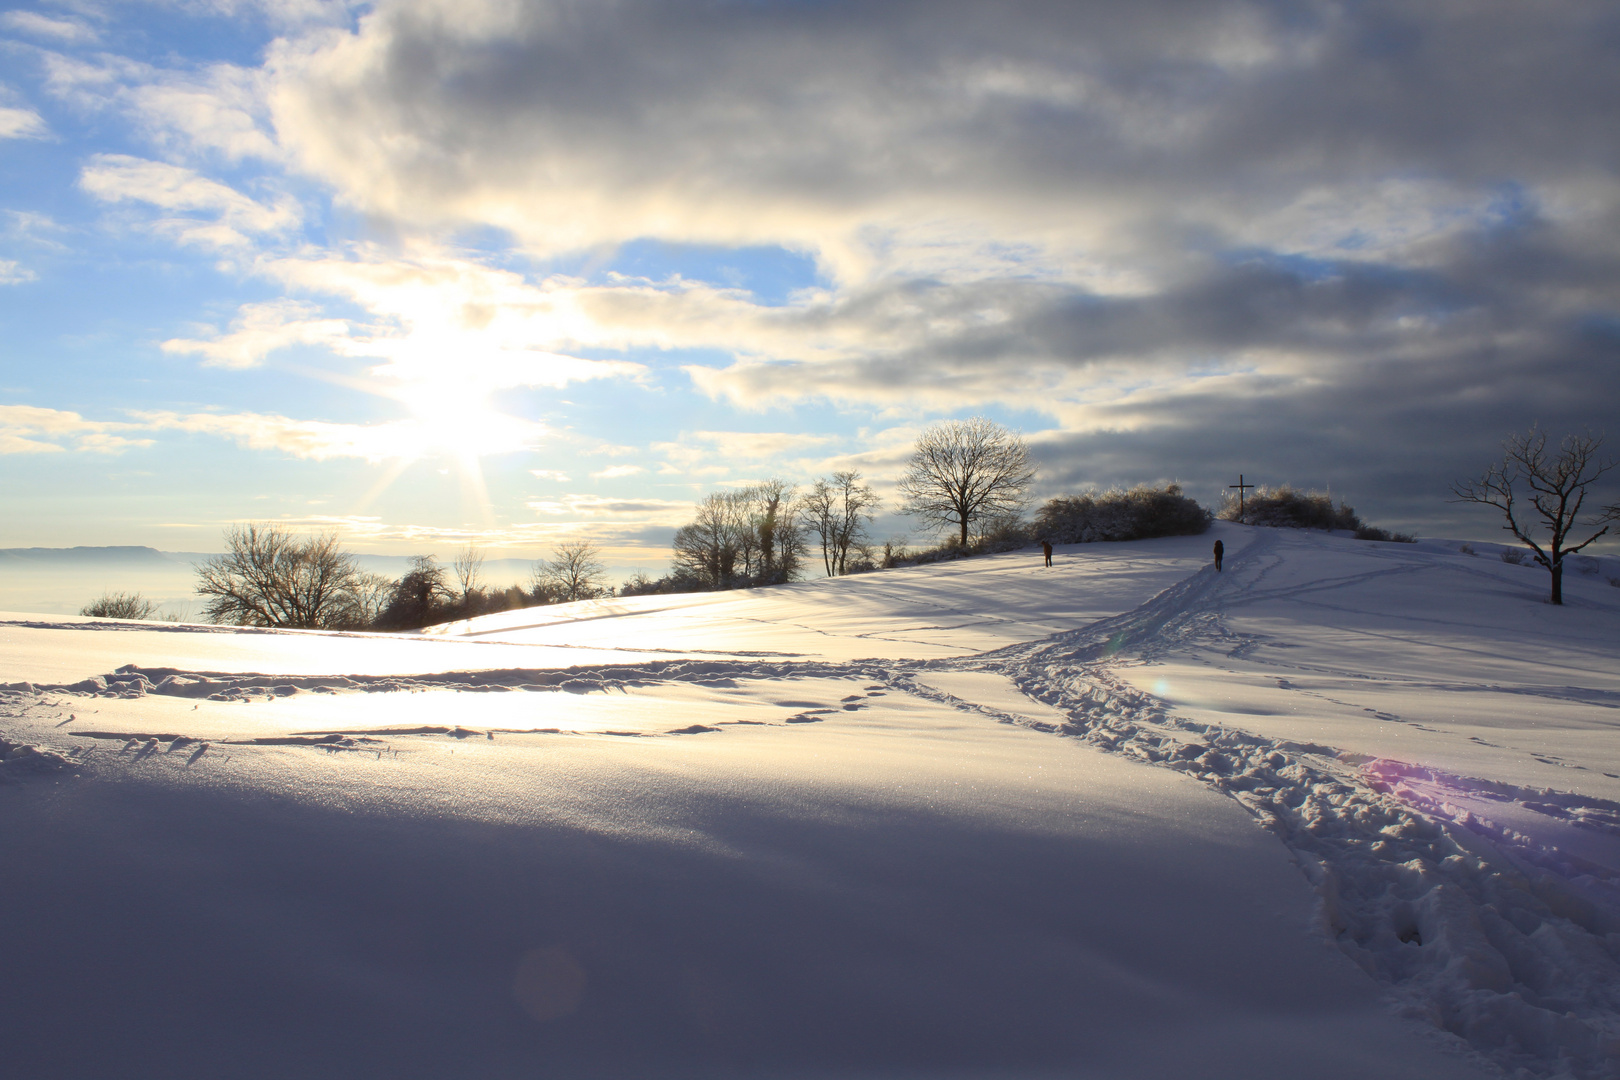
(261,329)
(441,315)
(891,132)
(615,472)
(1325,233)
(208,111)
(20,123)
(13,273)
(652,511)
(400,440)
(29,429)
(234,217)
(34,24)
(220,109)
(718,453)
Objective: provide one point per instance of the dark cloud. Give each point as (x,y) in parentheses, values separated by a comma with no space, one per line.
(840,106)
(1347,244)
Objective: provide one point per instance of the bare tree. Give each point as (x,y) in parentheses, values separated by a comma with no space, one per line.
(1553,487)
(269,577)
(838,509)
(370,597)
(750,536)
(574,571)
(708,549)
(469,561)
(119,605)
(964,470)
(772,537)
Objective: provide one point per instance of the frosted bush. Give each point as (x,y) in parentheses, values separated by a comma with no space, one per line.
(1137,514)
(1285,508)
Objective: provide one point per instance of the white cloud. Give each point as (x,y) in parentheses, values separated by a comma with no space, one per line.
(400,440)
(67,31)
(550,474)
(219,109)
(29,429)
(14,273)
(213,110)
(615,472)
(719,453)
(261,329)
(649,511)
(235,217)
(18,123)
(452,317)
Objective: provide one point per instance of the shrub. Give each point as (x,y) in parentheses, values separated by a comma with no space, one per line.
(1513,555)
(1140,513)
(1285,508)
(1373,532)
(1001,533)
(118,605)
(677,582)
(420,598)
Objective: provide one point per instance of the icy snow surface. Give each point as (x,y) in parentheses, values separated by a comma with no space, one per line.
(974,819)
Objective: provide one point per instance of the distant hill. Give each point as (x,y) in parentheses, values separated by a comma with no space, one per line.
(81,555)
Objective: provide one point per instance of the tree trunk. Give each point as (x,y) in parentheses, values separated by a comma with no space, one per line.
(964,532)
(1558,582)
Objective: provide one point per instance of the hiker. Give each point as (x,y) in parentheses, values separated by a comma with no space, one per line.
(1220,549)
(1046,549)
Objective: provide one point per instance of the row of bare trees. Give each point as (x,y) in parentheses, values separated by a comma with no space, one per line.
(762,534)
(961,472)
(269,576)
(750,536)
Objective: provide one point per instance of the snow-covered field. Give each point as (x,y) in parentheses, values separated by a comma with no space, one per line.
(1344,810)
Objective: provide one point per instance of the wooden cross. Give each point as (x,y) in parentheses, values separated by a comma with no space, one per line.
(1241,488)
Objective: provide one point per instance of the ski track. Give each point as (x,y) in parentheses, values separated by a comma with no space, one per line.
(1473,925)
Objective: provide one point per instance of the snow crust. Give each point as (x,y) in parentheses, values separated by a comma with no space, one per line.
(975,819)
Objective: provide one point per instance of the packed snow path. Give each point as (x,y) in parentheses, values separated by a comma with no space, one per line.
(1318,682)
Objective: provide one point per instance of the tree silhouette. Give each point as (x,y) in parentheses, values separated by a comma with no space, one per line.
(1552,485)
(965,470)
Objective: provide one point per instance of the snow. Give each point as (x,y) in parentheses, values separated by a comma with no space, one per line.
(1346,809)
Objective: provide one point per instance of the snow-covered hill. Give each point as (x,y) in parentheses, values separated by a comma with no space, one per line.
(1345,809)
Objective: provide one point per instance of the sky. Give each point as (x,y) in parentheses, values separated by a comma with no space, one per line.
(517,272)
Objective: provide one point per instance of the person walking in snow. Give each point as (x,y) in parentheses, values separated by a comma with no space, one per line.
(1220,549)
(1046,549)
